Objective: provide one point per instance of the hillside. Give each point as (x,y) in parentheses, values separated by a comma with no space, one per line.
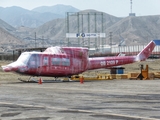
(55,30)
(137,30)
(134,30)
(6,26)
(8,41)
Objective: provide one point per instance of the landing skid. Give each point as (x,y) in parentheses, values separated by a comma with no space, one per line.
(32,80)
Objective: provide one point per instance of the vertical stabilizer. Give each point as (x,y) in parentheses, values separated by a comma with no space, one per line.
(145,53)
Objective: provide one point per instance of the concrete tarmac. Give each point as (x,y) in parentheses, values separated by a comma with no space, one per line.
(102,100)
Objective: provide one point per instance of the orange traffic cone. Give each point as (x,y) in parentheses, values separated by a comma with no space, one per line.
(40,81)
(81,79)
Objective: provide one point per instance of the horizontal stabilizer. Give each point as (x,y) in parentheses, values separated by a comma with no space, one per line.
(156,42)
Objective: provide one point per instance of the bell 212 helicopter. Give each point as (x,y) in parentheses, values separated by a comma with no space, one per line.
(68,61)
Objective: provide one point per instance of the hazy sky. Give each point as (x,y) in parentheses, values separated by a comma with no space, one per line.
(119,8)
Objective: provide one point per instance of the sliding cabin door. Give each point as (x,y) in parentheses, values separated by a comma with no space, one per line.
(60,65)
(43,65)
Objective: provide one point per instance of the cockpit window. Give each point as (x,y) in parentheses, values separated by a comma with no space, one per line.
(24,58)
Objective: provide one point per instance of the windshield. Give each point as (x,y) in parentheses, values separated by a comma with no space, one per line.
(23,58)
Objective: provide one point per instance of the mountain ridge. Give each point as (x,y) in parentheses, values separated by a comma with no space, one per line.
(59,8)
(17,16)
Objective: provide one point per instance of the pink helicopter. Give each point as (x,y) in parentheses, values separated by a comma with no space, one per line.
(68,61)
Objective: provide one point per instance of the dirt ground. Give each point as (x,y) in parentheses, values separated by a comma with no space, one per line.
(153,65)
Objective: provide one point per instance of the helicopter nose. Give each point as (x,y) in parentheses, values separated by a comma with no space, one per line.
(8,68)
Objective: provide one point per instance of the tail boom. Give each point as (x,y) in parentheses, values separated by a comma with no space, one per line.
(107,62)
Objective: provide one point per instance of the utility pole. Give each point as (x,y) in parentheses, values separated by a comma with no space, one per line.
(43,40)
(110,36)
(35,40)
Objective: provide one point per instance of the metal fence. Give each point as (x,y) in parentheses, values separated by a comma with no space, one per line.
(127,50)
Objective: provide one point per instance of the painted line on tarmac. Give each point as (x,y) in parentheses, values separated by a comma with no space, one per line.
(84,111)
